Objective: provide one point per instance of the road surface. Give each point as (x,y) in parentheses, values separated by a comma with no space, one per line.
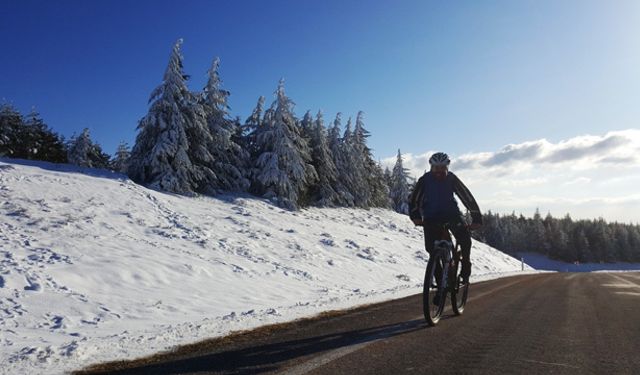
(555,323)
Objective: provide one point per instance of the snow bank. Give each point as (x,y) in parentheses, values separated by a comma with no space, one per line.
(94,267)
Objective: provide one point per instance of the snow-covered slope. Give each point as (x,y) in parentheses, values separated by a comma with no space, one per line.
(94,267)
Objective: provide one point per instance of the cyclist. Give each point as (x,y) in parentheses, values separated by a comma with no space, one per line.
(432,204)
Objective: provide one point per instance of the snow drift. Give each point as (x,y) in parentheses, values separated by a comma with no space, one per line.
(94,267)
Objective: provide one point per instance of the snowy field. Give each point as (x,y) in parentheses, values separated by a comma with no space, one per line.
(94,267)
(541,262)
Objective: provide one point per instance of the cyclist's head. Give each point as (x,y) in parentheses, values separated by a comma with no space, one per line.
(439,164)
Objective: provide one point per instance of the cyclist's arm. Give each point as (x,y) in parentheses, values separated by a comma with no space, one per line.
(468,200)
(415,200)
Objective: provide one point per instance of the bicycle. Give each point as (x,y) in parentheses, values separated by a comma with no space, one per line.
(444,265)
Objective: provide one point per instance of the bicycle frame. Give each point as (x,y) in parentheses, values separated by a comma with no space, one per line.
(443,268)
(447,248)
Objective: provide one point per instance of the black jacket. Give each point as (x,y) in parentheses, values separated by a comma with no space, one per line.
(421,195)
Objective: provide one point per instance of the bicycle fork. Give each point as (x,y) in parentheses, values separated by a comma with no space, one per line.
(444,247)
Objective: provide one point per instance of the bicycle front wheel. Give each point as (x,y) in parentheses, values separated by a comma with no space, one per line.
(459,292)
(434,291)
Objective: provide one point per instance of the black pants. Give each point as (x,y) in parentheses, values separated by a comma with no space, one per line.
(433,231)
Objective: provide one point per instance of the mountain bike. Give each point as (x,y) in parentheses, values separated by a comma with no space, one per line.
(443,277)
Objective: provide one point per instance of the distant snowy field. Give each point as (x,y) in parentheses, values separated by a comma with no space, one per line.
(541,262)
(94,267)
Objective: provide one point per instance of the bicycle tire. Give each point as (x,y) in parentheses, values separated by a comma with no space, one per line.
(433,313)
(459,291)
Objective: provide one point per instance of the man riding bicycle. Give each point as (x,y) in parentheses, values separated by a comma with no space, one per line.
(432,204)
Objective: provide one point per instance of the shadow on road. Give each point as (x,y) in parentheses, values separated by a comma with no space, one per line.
(270,357)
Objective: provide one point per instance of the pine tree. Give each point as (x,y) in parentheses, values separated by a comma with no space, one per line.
(283,167)
(227,157)
(622,243)
(583,246)
(400,186)
(387,177)
(379,189)
(27,138)
(11,122)
(634,243)
(45,144)
(98,158)
(377,192)
(535,234)
(307,126)
(252,128)
(80,148)
(493,231)
(161,155)
(355,168)
(323,193)
(241,153)
(341,161)
(120,162)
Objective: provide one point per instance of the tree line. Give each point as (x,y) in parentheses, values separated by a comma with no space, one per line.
(29,137)
(562,239)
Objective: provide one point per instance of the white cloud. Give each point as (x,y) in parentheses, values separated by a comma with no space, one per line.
(577,181)
(587,176)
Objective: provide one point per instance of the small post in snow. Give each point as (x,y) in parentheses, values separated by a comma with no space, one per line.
(522,263)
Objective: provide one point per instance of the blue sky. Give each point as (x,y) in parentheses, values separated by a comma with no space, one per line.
(466,76)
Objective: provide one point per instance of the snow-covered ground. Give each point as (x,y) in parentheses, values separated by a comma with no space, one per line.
(94,267)
(541,262)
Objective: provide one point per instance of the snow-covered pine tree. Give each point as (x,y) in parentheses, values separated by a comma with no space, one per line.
(161,154)
(307,126)
(387,177)
(243,156)
(251,129)
(227,156)
(379,188)
(257,148)
(80,148)
(120,161)
(199,139)
(323,193)
(302,144)
(354,164)
(98,158)
(341,161)
(400,186)
(11,122)
(376,193)
(237,135)
(26,138)
(44,143)
(282,168)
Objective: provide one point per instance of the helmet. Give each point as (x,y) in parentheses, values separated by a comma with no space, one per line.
(439,158)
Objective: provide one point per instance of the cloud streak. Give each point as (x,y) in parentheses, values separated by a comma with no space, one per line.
(615,148)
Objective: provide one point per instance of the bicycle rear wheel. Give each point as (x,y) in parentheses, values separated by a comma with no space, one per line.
(432,292)
(459,291)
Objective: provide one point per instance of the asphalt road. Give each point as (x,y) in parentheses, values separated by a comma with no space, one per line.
(559,323)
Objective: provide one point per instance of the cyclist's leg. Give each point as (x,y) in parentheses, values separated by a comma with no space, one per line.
(463,237)
(432,232)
